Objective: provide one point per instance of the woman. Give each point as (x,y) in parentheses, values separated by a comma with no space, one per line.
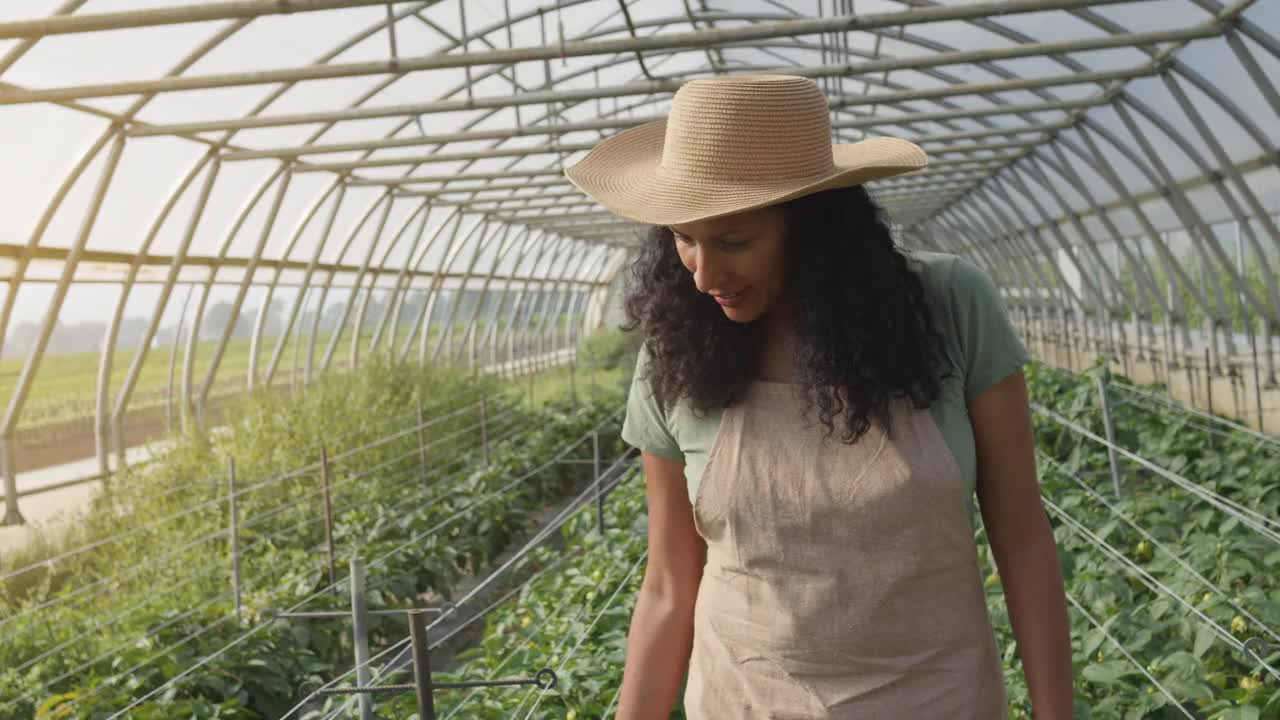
(816,410)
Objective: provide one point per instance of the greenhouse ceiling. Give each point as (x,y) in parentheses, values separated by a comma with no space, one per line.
(324,155)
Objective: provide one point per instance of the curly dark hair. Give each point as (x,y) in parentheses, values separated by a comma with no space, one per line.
(863,332)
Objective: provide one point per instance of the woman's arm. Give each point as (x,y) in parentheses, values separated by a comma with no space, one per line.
(1022,543)
(661,635)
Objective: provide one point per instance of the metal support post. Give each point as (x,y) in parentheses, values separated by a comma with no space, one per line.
(235,535)
(360,634)
(1208,389)
(573,382)
(484,426)
(421,665)
(1102,380)
(596,479)
(11,514)
(1191,385)
(422,446)
(1257,378)
(328,518)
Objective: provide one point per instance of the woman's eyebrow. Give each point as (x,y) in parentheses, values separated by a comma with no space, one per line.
(717,236)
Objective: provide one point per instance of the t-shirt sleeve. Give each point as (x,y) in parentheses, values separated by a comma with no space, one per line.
(991,347)
(646,427)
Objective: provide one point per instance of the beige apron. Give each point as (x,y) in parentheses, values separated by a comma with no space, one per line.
(841,580)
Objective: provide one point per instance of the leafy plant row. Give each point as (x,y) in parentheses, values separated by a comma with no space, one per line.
(1167,585)
(420,529)
(571,616)
(1174,649)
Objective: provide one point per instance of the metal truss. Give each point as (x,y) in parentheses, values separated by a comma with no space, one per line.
(1084,173)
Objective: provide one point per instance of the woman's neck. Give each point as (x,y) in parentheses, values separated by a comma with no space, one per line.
(774,349)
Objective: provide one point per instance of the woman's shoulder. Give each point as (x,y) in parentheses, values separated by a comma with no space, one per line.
(948,279)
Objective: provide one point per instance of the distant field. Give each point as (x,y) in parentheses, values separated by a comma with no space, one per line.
(66,385)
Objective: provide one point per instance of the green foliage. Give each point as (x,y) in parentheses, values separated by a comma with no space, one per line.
(1178,648)
(572,618)
(103,628)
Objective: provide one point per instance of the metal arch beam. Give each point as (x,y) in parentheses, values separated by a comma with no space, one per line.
(1254,70)
(987,225)
(1150,292)
(574,291)
(1160,58)
(123,118)
(420,321)
(1104,168)
(584,296)
(105,423)
(255,341)
(32,363)
(696,39)
(531,239)
(357,284)
(400,291)
(998,227)
(1173,268)
(1181,204)
(573,294)
(294,151)
(997,199)
(450,255)
(519,316)
(272,214)
(1013,182)
(37,28)
(1228,168)
(1032,167)
(300,298)
(176,263)
(389,307)
(543,301)
(472,328)
(480,246)
(357,329)
(1229,17)
(553,301)
(328,283)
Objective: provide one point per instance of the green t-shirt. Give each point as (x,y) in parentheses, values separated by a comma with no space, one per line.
(979,341)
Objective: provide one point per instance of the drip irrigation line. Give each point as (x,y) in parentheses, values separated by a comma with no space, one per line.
(106,541)
(405,642)
(582,638)
(1125,651)
(190,578)
(488,497)
(398,660)
(1248,517)
(268,573)
(566,513)
(1154,584)
(1161,546)
(47,687)
(326,589)
(114,581)
(1261,437)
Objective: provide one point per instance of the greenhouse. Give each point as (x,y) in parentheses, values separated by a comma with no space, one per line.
(316,362)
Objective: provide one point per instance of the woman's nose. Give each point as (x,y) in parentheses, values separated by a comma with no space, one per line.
(704,270)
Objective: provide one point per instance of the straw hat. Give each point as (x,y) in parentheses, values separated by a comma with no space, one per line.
(733,143)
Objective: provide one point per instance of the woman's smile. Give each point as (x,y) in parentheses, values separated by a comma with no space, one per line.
(731,300)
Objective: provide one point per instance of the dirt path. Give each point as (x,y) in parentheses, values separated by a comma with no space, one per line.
(73,440)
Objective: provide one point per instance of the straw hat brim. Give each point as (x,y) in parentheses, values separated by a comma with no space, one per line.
(624,174)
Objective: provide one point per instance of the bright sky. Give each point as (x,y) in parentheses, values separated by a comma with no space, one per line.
(41,143)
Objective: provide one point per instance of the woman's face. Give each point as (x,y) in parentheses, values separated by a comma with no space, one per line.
(737,259)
